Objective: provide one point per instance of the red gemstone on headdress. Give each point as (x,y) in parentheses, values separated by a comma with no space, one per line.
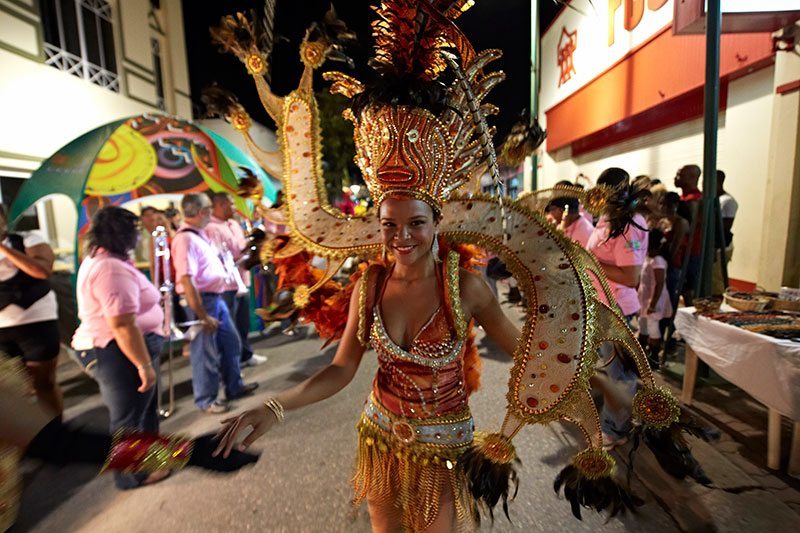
(537,278)
(544,308)
(563,358)
(553,388)
(492,219)
(563,266)
(469,205)
(540,232)
(576,316)
(543,345)
(532,402)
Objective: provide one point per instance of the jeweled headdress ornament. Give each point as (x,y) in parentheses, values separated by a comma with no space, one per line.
(420,131)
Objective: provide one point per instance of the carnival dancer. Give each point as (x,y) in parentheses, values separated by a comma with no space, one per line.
(226,233)
(215,350)
(418,139)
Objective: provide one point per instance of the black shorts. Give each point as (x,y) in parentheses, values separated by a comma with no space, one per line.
(37,341)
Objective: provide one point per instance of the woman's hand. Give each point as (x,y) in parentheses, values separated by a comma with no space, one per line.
(148,376)
(209,324)
(260,419)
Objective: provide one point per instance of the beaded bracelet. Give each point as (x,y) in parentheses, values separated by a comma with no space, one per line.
(275,407)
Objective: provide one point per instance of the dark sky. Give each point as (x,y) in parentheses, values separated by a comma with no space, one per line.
(503,24)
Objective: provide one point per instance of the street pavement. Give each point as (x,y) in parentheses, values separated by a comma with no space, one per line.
(301,482)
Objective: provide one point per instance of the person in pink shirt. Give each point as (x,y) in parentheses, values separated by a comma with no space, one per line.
(123,323)
(227,235)
(565,214)
(201,280)
(620,246)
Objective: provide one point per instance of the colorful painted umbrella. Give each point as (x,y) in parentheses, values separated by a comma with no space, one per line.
(131,159)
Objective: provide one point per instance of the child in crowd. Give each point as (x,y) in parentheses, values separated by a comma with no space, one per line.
(653,297)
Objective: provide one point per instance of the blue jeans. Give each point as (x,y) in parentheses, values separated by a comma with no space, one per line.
(617,422)
(215,355)
(239,307)
(127,407)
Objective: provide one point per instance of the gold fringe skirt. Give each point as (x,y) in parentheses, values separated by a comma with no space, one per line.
(411,464)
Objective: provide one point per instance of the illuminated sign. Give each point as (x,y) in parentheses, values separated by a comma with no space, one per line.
(633,11)
(566,48)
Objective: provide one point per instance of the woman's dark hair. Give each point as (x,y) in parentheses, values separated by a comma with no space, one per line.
(613,177)
(114,229)
(625,200)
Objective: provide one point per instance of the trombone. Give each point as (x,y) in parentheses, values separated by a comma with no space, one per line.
(162,273)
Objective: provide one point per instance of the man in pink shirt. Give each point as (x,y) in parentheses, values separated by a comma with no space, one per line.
(227,235)
(201,279)
(566,215)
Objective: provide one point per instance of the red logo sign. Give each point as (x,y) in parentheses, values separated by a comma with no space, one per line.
(567,44)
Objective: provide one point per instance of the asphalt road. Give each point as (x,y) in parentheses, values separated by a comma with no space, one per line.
(301,482)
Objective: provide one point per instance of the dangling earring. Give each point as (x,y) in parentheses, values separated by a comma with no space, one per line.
(435,249)
(385,255)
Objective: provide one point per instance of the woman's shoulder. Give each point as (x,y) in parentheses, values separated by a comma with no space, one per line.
(472,285)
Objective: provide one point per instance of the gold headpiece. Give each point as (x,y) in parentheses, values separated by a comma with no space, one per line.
(409,150)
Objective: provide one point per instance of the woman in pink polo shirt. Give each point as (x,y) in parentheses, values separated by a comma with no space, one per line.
(619,242)
(121,317)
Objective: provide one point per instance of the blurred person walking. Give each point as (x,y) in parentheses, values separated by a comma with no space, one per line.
(29,310)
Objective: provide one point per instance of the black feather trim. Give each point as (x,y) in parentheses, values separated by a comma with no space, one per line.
(598,494)
(671,449)
(489,481)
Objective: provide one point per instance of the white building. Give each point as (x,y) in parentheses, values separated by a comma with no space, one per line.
(69,66)
(618,88)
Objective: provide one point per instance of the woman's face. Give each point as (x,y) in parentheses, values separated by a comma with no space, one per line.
(407,228)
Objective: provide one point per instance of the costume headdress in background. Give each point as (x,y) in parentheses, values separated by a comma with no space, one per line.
(420,132)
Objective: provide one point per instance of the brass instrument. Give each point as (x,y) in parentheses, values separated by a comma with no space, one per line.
(161,272)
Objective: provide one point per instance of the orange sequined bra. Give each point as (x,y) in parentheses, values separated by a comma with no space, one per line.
(426,381)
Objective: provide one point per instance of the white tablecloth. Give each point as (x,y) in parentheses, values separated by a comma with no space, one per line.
(765,367)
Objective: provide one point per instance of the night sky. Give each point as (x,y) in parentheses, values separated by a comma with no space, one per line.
(501,24)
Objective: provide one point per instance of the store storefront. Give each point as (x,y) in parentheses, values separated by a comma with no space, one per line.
(619,88)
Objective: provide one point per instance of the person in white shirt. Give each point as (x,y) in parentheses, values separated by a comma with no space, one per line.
(29,310)
(728,208)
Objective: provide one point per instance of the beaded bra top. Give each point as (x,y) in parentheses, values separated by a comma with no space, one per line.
(426,379)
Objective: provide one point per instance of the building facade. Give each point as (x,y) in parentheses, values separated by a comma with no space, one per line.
(69,66)
(619,88)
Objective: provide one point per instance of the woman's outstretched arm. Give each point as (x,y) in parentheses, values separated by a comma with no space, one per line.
(480,303)
(320,386)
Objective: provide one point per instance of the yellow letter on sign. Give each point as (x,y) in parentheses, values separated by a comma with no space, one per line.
(613,5)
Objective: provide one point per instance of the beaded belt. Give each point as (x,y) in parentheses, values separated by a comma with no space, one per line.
(450,430)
